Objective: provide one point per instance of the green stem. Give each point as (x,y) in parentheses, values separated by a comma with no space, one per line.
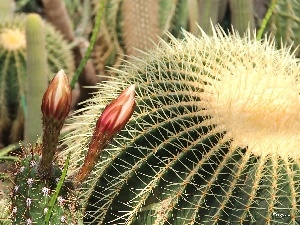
(266,19)
(91,45)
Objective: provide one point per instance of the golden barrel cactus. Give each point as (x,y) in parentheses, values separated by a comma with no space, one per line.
(214,138)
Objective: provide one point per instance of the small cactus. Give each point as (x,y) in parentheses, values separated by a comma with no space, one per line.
(13,73)
(32,193)
(38,174)
(213,140)
(37,70)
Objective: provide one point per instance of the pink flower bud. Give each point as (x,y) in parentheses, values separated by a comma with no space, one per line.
(57,98)
(112,120)
(117,113)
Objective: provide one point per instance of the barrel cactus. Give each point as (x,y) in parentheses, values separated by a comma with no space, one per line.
(214,137)
(13,72)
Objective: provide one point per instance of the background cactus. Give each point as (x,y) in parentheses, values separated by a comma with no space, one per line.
(214,137)
(13,73)
(37,73)
(284,24)
(130,24)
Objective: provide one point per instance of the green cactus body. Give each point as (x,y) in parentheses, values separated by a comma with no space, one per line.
(37,71)
(213,140)
(32,193)
(13,72)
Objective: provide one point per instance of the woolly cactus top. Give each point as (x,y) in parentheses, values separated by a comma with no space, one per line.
(12,39)
(216,129)
(253,94)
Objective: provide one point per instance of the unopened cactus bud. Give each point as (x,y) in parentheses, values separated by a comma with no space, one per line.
(113,119)
(117,113)
(55,108)
(57,98)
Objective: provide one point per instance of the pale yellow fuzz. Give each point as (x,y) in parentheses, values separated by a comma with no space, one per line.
(257,101)
(12,39)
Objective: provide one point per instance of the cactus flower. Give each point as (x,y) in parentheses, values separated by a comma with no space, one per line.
(57,98)
(112,120)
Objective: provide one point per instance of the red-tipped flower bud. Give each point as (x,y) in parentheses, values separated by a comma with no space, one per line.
(57,98)
(112,120)
(55,107)
(117,113)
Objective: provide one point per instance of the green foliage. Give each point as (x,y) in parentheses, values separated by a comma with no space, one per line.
(178,161)
(13,73)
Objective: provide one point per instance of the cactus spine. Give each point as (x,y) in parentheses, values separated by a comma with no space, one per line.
(13,73)
(214,138)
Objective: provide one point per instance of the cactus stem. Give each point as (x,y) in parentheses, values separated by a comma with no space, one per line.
(50,142)
(95,148)
(55,108)
(112,120)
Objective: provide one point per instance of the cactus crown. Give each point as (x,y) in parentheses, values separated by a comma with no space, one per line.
(13,39)
(213,137)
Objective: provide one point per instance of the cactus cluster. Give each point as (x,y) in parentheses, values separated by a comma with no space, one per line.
(131,26)
(13,76)
(214,137)
(213,140)
(40,194)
